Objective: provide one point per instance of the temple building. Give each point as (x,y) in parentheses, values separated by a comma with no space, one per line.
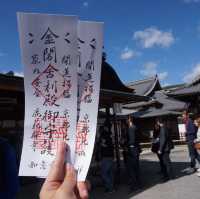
(189,93)
(158,105)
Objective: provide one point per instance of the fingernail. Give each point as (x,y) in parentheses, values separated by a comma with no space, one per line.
(61,145)
(70,170)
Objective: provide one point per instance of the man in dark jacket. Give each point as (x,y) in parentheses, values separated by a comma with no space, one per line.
(164,150)
(191,134)
(133,155)
(156,144)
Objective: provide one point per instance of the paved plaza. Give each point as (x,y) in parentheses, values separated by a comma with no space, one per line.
(182,187)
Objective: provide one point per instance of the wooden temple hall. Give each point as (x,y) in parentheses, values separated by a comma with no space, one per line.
(145,100)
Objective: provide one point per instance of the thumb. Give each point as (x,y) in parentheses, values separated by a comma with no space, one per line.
(69,182)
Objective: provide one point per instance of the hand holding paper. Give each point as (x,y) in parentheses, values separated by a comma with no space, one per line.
(61,180)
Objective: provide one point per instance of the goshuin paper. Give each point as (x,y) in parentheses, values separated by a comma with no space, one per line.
(56,51)
(49,55)
(90,44)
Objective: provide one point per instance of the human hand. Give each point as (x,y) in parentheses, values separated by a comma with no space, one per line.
(61,181)
(159,152)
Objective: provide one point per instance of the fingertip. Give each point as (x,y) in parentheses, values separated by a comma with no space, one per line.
(61,146)
(83,190)
(70,178)
(60,153)
(57,169)
(84,194)
(70,171)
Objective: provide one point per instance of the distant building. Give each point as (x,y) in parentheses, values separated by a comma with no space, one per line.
(159,105)
(189,93)
(145,87)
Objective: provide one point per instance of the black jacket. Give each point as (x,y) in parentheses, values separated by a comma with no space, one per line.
(166,143)
(191,130)
(106,146)
(132,137)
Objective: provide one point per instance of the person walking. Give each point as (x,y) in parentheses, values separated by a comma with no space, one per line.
(133,156)
(156,144)
(107,156)
(164,150)
(191,134)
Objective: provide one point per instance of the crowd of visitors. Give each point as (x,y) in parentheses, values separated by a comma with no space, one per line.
(162,145)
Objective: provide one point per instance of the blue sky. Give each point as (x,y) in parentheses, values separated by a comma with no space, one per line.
(141,38)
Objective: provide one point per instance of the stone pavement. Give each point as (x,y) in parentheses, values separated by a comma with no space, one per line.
(182,187)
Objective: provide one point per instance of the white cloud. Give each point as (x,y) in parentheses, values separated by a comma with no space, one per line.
(16,73)
(152,36)
(165,84)
(150,69)
(162,75)
(190,76)
(19,74)
(191,1)
(85,4)
(128,53)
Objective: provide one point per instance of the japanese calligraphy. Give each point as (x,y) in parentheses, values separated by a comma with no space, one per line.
(89,70)
(82,135)
(66,37)
(49,55)
(62,67)
(31,38)
(66,60)
(35,59)
(88,89)
(48,129)
(52,85)
(49,37)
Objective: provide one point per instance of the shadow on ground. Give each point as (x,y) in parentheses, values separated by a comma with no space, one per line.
(150,177)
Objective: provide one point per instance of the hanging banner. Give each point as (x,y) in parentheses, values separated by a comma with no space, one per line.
(49,55)
(90,44)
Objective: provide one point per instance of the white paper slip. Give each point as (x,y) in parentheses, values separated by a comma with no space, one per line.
(90,42)
(49,55)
